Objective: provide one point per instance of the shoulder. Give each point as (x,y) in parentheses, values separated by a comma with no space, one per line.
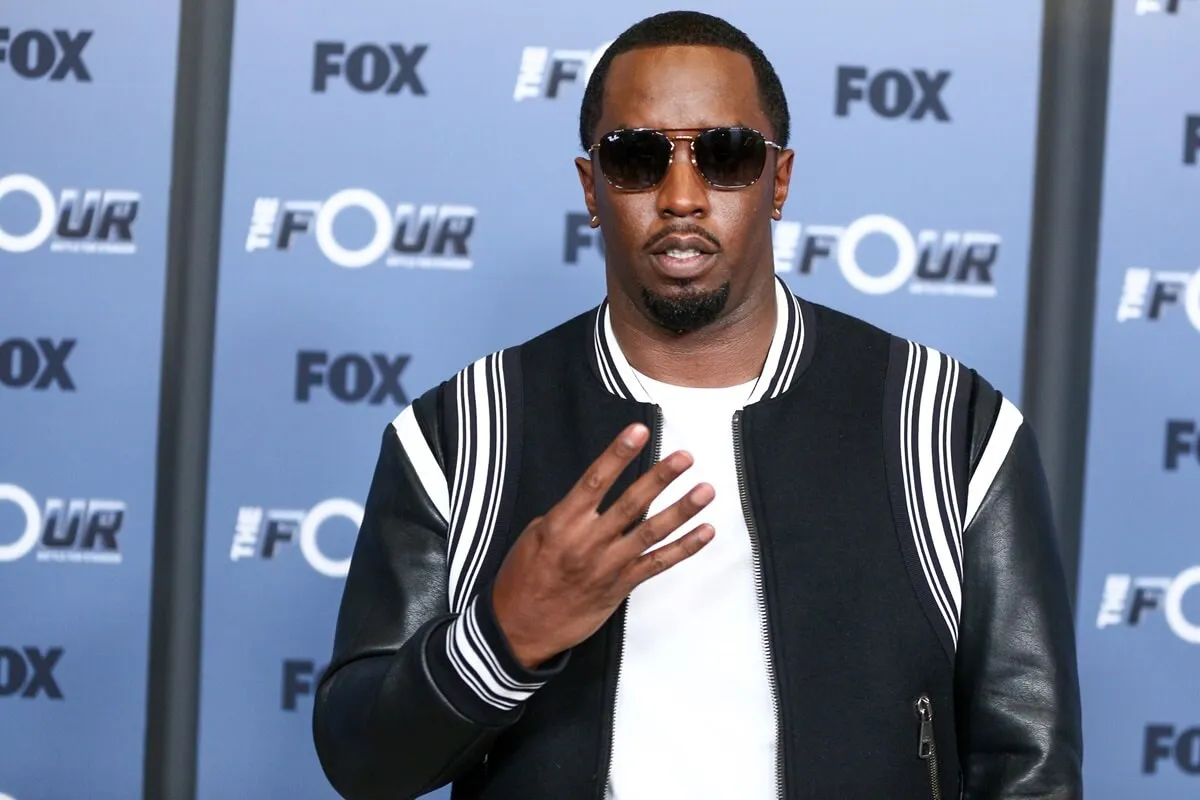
(923,380)
(494,378)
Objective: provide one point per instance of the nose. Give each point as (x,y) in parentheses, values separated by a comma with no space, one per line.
(683,192)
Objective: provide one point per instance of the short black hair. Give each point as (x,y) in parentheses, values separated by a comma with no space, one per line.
(686,28)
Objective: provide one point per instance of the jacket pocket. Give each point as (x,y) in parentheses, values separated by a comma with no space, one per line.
(927,747)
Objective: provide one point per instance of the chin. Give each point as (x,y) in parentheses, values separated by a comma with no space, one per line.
(682,305)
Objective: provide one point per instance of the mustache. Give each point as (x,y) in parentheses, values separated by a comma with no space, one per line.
(686,229)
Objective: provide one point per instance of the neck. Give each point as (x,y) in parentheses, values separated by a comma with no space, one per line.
(728,352)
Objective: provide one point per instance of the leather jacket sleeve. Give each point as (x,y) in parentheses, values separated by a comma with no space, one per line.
(1017,691)
(414,694)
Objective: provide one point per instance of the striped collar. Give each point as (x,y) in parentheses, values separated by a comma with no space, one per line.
(790,352)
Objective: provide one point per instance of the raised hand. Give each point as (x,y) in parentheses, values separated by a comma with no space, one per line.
(571,568)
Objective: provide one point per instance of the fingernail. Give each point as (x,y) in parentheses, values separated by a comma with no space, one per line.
(633,437)
(702,493)
(706,534)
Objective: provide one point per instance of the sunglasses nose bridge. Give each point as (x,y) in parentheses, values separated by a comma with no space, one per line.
(682,194)
(691,152)
(673,143)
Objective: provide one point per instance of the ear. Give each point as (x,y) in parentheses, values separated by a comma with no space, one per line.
(587,180)
(783,179)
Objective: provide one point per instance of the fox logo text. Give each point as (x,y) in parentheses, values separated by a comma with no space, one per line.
(1191,139)
(369,68)
(78,221)
(1148,294)
(300,677)
(422,237)
(1128,598)
(1166,743)
(1157,6)
(28,672)
(63,530)
(37,365)
(580,235)
(351,378)
(1183,440)
(893,93)
(543,71)
(37,54)
(931,262)
(261,532)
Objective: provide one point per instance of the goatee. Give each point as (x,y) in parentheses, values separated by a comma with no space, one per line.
(687,310)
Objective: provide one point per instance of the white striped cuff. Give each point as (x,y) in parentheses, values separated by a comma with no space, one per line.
(480,676)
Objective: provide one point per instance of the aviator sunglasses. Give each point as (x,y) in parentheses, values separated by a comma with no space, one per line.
(636,159)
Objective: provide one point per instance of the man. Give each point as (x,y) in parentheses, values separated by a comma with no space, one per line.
(709,539)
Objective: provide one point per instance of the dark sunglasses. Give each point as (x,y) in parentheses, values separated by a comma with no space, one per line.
(636,159)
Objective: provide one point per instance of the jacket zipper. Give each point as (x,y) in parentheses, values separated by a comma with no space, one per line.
(927,749)
(756,551)
(602,785)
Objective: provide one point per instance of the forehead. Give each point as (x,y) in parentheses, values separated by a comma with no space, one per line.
(681,88)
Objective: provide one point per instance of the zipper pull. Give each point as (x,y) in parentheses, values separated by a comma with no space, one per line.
(925,711)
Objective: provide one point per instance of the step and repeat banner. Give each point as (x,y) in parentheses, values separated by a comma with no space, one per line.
(912,188)
(401,198)
(87,95)
(1139,584)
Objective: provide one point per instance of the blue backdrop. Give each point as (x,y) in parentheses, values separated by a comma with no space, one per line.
(1139,588)
(86,97)
(400,199)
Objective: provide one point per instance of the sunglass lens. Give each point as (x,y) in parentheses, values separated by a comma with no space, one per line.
(731,157)
(634,159)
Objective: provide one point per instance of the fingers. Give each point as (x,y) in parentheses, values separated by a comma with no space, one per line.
(635,500)
(662,559)
(589,490)
(664,523)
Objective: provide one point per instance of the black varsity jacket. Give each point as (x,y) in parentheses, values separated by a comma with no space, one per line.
(913,605)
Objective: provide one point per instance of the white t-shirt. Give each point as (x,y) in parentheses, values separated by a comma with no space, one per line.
(694,717)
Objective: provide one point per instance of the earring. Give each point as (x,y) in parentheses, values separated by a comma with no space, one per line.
(778,214)
(595,222)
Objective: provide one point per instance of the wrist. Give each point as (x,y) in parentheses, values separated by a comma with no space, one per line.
(522,648)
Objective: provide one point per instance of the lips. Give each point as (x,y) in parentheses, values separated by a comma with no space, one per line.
(679,266)
(682,256)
